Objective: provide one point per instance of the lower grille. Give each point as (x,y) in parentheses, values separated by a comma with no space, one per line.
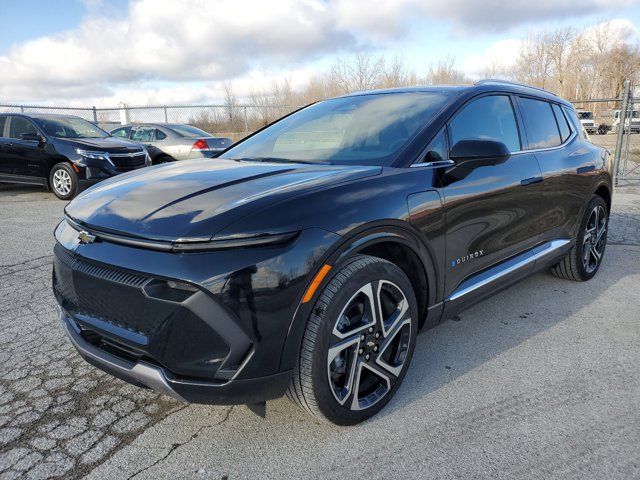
(114,313)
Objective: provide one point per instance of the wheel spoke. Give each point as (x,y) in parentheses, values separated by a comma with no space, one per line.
(358,402)
(370,308)
(595,253)
(388,324)
(391,340)
(352,344)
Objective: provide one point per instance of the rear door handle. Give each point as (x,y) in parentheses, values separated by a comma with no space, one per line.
(530,181)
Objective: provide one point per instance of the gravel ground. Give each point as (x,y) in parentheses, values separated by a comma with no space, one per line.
(540,381)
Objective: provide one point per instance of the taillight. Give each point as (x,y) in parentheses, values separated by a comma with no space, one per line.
(201,144)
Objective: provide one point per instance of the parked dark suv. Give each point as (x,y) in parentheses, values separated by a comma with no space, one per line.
(64,153)
(307,259)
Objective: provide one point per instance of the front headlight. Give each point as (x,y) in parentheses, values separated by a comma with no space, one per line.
(94,155)
(236,241)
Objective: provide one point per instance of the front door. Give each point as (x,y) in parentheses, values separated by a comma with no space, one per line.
(492,212)
(23,157)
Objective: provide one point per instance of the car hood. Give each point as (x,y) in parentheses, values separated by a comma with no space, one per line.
(108,144)
(192,200)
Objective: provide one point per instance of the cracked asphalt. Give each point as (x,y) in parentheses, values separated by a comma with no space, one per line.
(539,381)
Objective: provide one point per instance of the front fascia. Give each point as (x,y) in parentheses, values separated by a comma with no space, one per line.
(260,287)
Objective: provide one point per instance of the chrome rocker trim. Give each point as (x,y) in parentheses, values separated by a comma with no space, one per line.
(501,270)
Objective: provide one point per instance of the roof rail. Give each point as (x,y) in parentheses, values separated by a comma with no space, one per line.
(508,82)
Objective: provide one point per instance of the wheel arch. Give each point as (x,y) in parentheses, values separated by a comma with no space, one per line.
(393,241)
(603,190)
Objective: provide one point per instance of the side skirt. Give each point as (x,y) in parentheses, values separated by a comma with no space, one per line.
(498,277)
(22,179)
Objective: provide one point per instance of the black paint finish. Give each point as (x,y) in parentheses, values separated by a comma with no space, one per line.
(446,223)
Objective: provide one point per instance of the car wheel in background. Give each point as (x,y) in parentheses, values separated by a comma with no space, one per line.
(585,258)
(63,181)
(358,342)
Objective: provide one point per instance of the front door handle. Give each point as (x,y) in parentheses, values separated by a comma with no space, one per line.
(530,181)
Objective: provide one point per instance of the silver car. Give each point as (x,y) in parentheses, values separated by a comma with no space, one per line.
(167,142)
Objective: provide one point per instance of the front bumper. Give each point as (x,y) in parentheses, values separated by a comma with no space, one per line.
(147,375)
(221,341)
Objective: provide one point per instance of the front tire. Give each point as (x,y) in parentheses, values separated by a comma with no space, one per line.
(584,259)
(358,342)
(63,181)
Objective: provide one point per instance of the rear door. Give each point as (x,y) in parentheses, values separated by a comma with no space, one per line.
(23,157)
(567,166)
(492,212)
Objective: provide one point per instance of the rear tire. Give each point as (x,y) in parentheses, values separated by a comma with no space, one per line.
(584,259)
(339,376)
(63,181)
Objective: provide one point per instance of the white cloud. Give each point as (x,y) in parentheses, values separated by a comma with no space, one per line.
(498,57)
(181,45)
(501,15)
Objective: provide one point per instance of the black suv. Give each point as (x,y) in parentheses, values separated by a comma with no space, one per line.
(64,153)
(307,259)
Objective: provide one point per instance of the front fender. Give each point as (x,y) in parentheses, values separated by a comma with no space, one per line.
(395,231)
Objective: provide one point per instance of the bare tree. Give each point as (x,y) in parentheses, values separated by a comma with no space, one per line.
(362,72)
(444,72)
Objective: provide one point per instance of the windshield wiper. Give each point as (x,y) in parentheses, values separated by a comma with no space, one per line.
(280,160)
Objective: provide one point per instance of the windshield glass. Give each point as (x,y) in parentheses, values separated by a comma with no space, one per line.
(364,129)
(189,131)
(70,127)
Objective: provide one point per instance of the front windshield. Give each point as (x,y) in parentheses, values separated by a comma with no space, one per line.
(70,127)
(363,129)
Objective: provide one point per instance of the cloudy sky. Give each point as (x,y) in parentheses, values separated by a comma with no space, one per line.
(96,52)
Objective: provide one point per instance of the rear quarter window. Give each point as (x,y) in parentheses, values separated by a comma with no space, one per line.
(540,123)
(563,124)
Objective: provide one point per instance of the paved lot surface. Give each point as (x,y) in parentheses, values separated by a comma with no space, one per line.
(540,381)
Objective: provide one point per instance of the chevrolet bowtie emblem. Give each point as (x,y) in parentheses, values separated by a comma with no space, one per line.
(86,237)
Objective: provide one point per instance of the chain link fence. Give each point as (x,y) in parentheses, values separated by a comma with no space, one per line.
(232,121)
(614,126)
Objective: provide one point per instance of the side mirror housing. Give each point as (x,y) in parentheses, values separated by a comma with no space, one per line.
(478,153)
(35,137)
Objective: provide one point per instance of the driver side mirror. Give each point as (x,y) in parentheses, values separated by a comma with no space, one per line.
(32,136)
(479,153)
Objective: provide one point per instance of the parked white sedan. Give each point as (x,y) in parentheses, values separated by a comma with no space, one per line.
(167,142)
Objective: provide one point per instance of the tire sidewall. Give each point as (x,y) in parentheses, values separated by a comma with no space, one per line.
(584,274)
(74,181)
(326,402)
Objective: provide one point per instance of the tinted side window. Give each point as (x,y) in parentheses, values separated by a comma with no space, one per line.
(565,130)
(20,125)
(542,129)
(121,132)
(489,118)
(160,135)
(143,134)
(437,149)
(3,121)
(573,118)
